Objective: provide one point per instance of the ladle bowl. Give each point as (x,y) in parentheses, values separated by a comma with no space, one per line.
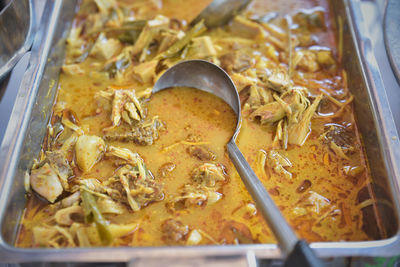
(206,76)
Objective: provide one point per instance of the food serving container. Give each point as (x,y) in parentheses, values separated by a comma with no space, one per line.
(32,111)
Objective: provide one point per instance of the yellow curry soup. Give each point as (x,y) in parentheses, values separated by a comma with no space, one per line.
(122,167)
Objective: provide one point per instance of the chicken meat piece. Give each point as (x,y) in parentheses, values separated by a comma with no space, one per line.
(297,102)
(166,168)
(93,185)
(128,156)
(325,57)
(341,136)
(125,106)
(209,174)
(45,182)
(243,27)
(174,232)
(88,151)
(145,72)
(236,61)
(69,215)
(71,200)
(306,60)
(237,233)
(72,69)
(269,113)
(201,153)
(314,202)
(278,80)
(109,206)
(310,19)
(60,165)
(128,186)
(298,132)
(241,81)
(104,48)
(202,47)
(278,162)
(258,96)
(340,140)
(142,133)
(292,104)
(194,195)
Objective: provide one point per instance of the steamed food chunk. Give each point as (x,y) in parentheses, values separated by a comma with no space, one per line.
(88,150)
(46,183)
(105,48)
(121,166)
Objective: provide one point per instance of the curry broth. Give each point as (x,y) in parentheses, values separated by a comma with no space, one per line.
(319,200)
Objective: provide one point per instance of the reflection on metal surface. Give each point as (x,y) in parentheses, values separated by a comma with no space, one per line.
(233,261)
(392,35)
(16,33)
(26,130)
(9,92)
(219,12)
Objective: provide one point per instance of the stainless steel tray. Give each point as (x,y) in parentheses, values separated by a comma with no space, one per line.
(31,113)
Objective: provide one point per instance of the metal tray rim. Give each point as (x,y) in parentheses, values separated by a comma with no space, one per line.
(262,251)
(9,153)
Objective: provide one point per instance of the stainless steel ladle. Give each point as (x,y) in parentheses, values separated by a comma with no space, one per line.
(220,12)
(208,77)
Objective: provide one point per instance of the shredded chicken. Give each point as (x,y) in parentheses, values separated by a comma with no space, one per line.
(129,187)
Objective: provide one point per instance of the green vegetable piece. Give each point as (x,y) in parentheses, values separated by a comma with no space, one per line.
(195,31)
(93,214)
(137,25)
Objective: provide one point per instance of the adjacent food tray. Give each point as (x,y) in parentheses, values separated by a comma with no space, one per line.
(31,113)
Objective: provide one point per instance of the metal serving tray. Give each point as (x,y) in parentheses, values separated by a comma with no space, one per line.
(32,110)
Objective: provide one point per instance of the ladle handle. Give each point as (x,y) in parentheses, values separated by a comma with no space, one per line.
(288,241)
